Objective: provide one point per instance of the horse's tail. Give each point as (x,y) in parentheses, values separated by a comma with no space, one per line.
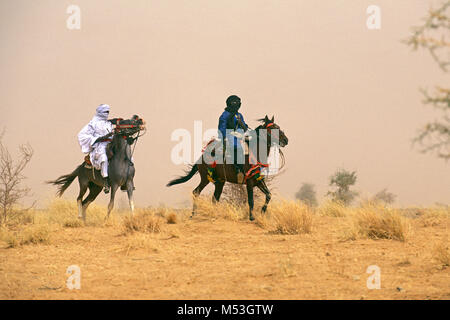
(189,175)
(64,181)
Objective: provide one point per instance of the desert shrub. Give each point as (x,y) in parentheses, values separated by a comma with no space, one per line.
(384,197)
(12,190)
(341,181)
(307,194)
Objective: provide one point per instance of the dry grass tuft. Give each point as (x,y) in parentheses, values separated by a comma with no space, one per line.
(434,217)
(59,211)
(21,217)
(171,215)
(441,254)
(377,222)
(73,223)
(34,234)
(144,220)
(224,210)
(264,221)
(139,241)
(172,218)
(333,209)
(291,217)
(65,213)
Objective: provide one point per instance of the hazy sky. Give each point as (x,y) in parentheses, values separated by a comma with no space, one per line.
(347,97)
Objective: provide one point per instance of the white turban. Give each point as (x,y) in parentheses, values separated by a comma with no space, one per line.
(102,111)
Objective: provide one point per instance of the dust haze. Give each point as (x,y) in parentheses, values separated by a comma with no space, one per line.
(347,97)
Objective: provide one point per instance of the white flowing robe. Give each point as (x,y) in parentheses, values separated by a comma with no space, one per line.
(97,127)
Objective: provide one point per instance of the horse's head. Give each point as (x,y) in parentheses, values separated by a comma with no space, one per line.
(130,127)
(270,125)
(126,132)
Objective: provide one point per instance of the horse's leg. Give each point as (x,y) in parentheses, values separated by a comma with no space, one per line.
(250,200)
(83,188)
(94,190)
(130,186)
(114,187)
(218,191)
(203,183)
(263,187)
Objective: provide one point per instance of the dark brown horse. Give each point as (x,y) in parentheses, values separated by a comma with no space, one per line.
(265,134)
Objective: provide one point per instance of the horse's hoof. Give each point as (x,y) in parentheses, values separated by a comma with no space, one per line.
(252,218)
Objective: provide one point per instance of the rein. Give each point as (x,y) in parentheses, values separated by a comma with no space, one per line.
(283,160)
(134,147)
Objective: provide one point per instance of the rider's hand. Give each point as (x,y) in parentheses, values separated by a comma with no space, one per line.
(106,136)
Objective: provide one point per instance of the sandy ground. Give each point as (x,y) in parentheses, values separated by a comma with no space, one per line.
(207,258)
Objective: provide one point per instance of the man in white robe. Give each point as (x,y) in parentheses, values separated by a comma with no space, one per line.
(94,138)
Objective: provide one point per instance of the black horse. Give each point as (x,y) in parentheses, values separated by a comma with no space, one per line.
(227,172)
(120,169)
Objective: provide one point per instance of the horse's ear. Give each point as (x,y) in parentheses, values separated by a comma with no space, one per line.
(266,119)
(273,119)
